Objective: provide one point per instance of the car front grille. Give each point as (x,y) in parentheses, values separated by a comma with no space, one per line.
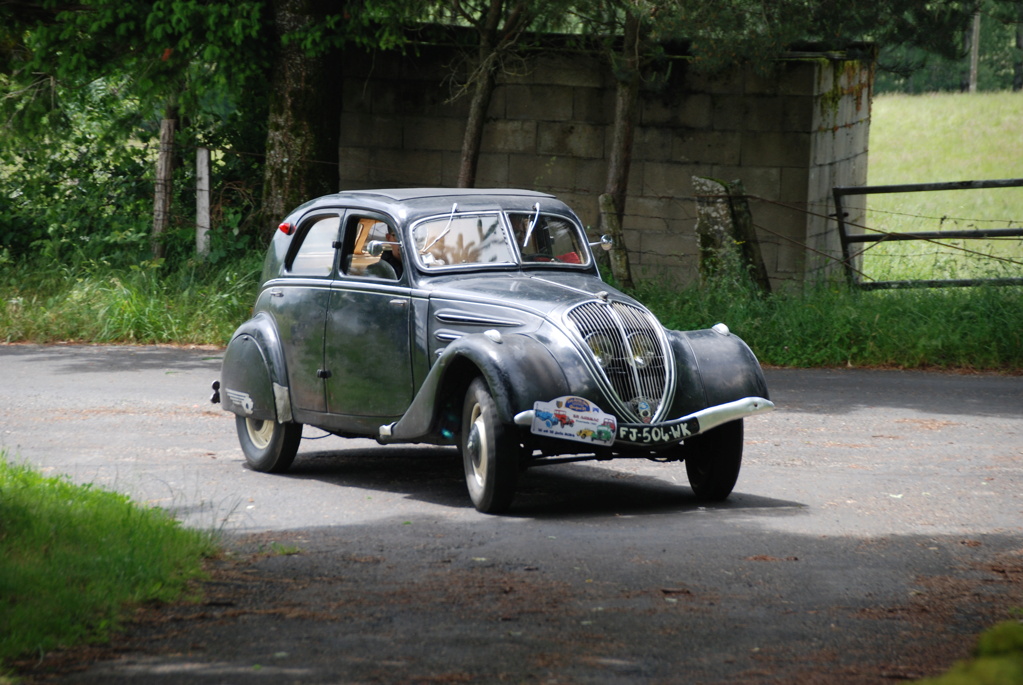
(629,347)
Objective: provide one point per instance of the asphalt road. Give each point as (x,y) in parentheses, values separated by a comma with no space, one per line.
(875,530)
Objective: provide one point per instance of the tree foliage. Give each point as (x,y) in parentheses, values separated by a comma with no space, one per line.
(213,62)
(199,53)
(914,69)
(83,85)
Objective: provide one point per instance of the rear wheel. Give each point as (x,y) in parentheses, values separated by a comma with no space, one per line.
(269,446)
(489,453)
(713,460)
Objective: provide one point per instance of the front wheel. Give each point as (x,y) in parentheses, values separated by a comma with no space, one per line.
(713,460)
(489,453)
(269,447)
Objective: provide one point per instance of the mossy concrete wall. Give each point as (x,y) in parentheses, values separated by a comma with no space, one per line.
(788,135)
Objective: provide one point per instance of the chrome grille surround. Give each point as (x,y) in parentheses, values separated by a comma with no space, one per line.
(630,354)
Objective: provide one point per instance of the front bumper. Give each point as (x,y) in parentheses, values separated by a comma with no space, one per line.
(677,430)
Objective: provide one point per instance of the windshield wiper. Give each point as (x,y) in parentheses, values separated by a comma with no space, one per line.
(447,229)
(532,224)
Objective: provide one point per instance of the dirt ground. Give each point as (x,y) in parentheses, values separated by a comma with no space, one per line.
(875,531)
(337,612)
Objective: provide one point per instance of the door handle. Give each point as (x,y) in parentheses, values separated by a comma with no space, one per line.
(399,302)
(276,292)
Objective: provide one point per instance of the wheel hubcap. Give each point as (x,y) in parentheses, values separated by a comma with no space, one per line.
(260,432)
(476,445)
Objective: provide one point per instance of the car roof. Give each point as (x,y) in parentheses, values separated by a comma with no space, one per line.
(407,194)
(410,203)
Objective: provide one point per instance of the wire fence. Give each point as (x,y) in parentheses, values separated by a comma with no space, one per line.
(887,240)
(957,248)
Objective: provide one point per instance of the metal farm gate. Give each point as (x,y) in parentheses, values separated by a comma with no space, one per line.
(877,236)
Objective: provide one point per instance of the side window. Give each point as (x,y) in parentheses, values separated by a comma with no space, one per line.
(358,260)
(315,255)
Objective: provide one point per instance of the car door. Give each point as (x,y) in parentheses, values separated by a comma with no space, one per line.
(299,302)
(367,345)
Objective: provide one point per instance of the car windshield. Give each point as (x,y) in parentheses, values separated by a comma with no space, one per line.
(457,240)
(484,239)
(547,239)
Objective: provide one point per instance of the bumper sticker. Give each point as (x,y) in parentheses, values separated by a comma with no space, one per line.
(574,418)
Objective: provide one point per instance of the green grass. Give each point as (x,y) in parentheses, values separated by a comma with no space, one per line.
(998,659)
(74,558)
(940,138)
(94,302)
(831,325)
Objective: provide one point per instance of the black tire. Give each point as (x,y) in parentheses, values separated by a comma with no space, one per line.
(713,460)
(489,455)
(269,447)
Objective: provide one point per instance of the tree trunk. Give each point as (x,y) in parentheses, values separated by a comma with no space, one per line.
(620,158)
(974,53)
(164,181)
(493,40)
(1017,67)
(618,255)
(303,130)
(472,142)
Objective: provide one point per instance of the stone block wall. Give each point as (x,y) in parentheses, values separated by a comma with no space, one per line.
(789,135)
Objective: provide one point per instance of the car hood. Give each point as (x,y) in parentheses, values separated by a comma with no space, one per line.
(541,294)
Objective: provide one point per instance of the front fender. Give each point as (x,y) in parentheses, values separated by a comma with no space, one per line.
(713,367)
(253,375)
(519,370)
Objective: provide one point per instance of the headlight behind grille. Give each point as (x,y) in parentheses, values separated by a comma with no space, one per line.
(628,345)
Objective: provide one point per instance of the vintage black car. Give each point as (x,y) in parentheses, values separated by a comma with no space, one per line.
(476,318)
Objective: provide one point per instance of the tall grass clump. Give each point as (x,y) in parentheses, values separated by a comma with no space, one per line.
(73,558)
(831,324)
(95,301)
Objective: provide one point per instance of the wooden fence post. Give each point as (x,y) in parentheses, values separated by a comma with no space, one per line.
(164,177)
(746,236)
(202,201)
(725,231)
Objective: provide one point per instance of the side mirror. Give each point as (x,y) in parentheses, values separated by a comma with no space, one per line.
(606,242)
(375,248)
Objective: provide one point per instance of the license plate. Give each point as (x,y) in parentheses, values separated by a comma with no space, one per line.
(658,434)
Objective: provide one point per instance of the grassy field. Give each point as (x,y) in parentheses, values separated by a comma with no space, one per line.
(941,138)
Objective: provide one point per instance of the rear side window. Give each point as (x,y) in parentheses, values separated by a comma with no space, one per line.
(315,255)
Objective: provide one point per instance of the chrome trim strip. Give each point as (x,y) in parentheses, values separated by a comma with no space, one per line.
(446,336)
(456,316)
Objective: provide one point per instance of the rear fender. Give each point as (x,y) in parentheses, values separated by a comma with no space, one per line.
(253,377)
